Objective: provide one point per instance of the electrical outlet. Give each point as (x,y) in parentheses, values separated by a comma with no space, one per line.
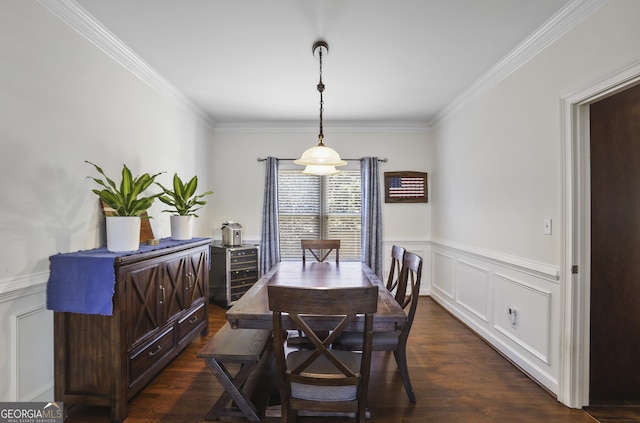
(514,316)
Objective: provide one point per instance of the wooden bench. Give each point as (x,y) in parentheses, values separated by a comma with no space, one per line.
(240,346)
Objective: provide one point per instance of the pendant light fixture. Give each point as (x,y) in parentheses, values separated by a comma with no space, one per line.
(320,160)
(320,170)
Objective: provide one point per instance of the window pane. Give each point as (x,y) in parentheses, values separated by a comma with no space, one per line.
(342,211)
(299,210)
(298,194)
(292,230)
(304,212)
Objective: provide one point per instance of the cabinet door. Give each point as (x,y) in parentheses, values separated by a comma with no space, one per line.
(197,276)
(175,282)
(185,280)
(144,300)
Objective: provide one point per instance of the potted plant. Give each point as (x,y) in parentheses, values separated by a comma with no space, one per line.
(128,204)
(184,202)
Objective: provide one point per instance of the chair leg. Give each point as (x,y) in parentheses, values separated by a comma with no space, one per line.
(289,415)
(401,360)
(362,413)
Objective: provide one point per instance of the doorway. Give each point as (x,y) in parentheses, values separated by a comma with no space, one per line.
(614,368)
(574,381)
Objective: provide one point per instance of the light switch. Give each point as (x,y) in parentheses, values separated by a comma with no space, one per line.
(547,226)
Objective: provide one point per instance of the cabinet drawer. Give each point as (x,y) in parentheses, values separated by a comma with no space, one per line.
(144,359)
(191,322)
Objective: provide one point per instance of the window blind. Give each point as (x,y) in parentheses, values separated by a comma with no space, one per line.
(319,207)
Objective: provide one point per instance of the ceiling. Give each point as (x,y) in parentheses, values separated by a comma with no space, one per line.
(388,61)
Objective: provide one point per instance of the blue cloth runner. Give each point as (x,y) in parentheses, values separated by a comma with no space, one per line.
(84,281)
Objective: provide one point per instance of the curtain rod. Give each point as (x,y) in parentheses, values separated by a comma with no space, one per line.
(260,159)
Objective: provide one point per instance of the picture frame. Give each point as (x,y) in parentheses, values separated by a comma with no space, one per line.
(405,187)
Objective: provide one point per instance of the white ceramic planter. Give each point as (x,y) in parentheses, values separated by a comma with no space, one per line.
(123,233)
(181,227)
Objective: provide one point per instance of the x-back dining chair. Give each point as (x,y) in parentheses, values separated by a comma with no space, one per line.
(321,379)
(397,254)
(326,245)
(407,295)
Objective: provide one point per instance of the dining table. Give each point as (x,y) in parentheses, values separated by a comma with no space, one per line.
(251,311)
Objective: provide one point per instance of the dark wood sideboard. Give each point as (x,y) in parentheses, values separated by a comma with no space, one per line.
(159,306)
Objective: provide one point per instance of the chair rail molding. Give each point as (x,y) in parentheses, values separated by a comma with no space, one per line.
(541,270)
(13,288)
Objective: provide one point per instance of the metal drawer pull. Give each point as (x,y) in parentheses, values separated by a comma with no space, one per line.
(162,300)
(152,353)
(193,319)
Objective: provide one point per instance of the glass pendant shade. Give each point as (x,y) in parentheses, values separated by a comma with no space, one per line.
(320,170)
(320,155)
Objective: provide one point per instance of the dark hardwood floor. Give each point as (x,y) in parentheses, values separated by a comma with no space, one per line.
(457,377)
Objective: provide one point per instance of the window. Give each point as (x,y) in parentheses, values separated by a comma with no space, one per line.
(319,207)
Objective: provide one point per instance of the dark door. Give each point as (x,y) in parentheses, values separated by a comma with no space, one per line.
(615,249)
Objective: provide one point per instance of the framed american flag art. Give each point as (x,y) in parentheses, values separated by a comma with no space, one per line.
(405,187)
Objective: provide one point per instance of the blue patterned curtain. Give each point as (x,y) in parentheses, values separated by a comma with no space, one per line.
(371,215)
(270,240)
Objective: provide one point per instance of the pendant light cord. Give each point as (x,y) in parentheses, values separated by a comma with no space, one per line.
(320,90)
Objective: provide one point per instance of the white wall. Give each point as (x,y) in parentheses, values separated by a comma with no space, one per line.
(498,172)
(64,101)
(238,178)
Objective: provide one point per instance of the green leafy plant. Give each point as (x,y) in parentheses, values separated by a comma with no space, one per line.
(126,199)
(183,197)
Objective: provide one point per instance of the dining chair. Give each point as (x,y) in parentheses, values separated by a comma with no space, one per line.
(320,379)
(395,341)
(326,245)
(397,254)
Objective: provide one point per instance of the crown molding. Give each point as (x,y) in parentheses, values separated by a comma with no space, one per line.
(86,25)
(554,28)
(331,127)
(563,21)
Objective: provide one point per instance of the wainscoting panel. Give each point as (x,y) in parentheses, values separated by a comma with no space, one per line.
(443,273)
(507,301)
(522,313)
(33,336)
(26,356)
(473,288)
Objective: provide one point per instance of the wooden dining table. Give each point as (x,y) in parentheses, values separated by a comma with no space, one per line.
(252,310)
